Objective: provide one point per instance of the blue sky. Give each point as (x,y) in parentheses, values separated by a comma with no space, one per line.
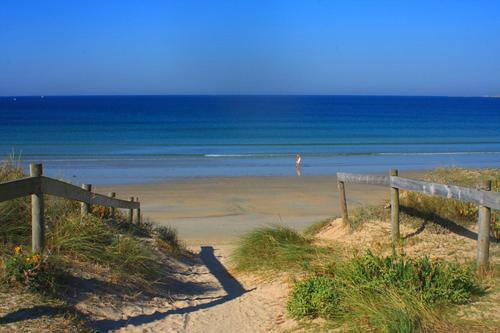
(425,47)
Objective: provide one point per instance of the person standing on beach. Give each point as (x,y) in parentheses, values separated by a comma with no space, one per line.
(298,165)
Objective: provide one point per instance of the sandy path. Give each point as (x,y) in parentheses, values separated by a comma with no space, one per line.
(203,297)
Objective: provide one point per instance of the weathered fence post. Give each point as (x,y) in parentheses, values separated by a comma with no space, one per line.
(483,238)
(343,201)
(138,213)
(112,209)
(394,211)
(85,207)
(37,215)
(131,212)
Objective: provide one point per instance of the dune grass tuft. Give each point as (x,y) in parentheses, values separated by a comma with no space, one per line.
(276,248)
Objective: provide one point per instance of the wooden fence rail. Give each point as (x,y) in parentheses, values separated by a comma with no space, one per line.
(483,197)
(37,185)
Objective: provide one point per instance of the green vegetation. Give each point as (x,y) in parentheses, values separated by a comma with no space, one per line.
(368,292)
(314,297)
(95,240)
(379,293)
(276,248)
(388,294)
(33,271)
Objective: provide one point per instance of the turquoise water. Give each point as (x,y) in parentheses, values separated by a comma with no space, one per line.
(106,140)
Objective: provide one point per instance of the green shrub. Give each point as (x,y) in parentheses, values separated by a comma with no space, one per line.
(315,297)
(388,294)
(435,281)
(274,248)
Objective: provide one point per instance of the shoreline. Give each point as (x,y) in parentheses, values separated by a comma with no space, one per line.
(218,210)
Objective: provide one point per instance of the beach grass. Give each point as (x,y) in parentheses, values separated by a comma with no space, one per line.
(277,248)
(72,239)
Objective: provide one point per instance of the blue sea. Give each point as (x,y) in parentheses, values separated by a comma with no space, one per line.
(142,139)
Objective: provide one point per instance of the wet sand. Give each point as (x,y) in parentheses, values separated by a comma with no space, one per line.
(218,210)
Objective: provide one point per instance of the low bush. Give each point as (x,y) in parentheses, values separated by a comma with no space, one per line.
(435,281)
(388,294)
(315,297)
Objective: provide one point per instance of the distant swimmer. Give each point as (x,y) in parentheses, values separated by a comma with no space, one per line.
(298,165)
(298,160)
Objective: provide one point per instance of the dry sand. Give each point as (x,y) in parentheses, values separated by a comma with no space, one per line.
(218,210)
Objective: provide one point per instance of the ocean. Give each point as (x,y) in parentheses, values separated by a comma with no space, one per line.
(144,139)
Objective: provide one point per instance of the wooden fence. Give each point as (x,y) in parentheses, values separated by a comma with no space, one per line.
(37,185)
(483,197)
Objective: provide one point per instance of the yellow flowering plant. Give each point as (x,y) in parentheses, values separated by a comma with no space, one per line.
(28,270)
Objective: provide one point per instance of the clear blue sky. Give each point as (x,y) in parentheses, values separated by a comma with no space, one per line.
(405,47)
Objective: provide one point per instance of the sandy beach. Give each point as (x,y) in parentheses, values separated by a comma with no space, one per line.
(218,210)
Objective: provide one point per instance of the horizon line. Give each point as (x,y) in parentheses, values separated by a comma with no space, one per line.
(246,95)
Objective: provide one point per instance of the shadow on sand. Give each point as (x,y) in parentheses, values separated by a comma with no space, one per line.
(230,285)
(442,222)
(34,313)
